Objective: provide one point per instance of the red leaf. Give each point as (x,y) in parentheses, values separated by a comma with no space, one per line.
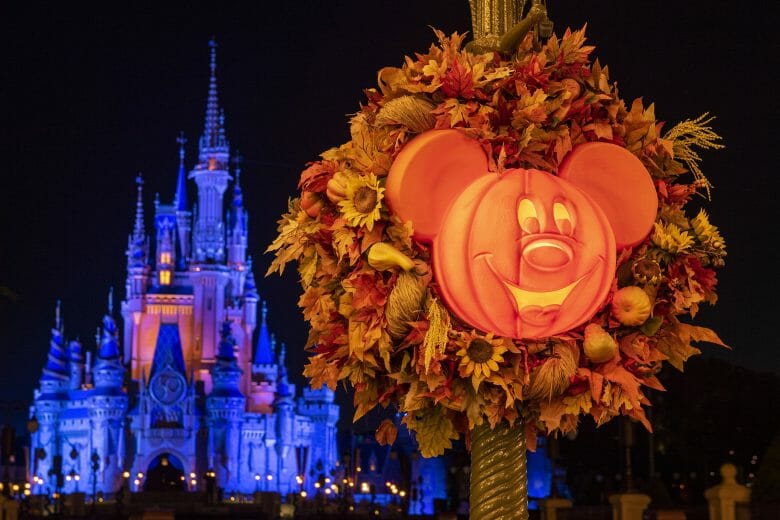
(457,82)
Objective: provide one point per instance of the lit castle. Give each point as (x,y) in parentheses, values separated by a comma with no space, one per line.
(182,397)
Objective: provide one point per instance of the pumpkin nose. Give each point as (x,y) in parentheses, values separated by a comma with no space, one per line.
(547,254)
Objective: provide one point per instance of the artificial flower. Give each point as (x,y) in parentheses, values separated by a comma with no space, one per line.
(363,200)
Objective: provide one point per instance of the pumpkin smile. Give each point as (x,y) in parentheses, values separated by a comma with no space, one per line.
(535,307)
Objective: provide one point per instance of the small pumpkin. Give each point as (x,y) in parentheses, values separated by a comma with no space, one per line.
(311,203)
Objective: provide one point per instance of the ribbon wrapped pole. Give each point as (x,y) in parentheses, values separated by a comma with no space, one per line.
(499,476)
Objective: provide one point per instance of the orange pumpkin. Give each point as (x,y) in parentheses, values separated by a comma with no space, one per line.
(524,253)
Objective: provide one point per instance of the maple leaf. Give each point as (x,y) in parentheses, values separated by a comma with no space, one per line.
(434,430)
(551,412)
(365,398)
(321,372)
(457,81)
(386,433)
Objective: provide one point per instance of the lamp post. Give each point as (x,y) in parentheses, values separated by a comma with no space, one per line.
(95,459)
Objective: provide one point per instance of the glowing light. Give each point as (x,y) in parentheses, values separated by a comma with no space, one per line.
(328,491)
(193,482)
(269,477)
(68,477)
(335,488)
(76,477)
(182,478)
(165,258)
(27,492)
(100,499)
(15,487)
(304,494)
(327,480)
(317,485)
(364,487)
(232,498)
(26,485)
(126,474)
(402,493)
(140,474)
(137,482)
(358,469)
(165,277)
(299,479)
(257,476)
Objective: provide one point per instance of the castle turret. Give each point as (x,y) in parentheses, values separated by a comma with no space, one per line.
(265,371)
(56,374)
(284,408)
(225,410)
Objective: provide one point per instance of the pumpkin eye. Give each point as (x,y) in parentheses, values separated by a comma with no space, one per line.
(562,219)
(527,217)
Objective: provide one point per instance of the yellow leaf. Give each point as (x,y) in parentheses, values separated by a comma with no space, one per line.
(434,431)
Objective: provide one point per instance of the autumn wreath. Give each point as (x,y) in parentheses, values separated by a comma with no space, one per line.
(377,318)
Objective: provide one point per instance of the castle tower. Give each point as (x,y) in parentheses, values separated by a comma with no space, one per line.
(319,406)
(49,403)
(225,412)
(209,274)
(138,272)
(108,408)
(211,175)
(165,252)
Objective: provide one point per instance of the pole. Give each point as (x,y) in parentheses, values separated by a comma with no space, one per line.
(499,476)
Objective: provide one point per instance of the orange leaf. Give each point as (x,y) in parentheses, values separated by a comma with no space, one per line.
(386,433)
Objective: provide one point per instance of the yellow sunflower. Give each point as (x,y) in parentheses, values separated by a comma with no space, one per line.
(480,356)
(363,200)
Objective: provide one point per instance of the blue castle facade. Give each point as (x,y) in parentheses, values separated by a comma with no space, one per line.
(182,391)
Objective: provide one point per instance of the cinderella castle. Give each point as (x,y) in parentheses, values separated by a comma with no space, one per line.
(182,398)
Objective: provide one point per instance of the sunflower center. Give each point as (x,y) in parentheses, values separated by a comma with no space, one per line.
(479,350)
(365,199)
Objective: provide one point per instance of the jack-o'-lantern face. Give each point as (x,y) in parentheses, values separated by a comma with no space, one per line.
(523,254)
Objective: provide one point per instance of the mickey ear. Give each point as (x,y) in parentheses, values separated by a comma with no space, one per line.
(619,183)
(428,174)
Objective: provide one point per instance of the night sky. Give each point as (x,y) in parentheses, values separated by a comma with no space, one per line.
(90,97)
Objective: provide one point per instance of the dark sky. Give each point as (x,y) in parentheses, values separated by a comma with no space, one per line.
(90,97)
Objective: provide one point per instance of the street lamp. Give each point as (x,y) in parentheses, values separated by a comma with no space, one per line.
(95,458)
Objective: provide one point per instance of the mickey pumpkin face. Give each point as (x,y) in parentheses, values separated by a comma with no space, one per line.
(523,254)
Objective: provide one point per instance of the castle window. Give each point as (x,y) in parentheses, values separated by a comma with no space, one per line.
(165,277)
(165,258)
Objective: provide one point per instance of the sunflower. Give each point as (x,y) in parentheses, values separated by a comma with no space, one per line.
(363,200)
(480,357)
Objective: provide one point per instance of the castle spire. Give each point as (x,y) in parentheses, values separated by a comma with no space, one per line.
(263,354)
(213,138)
(57,364)
(137,247)
(180,198)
